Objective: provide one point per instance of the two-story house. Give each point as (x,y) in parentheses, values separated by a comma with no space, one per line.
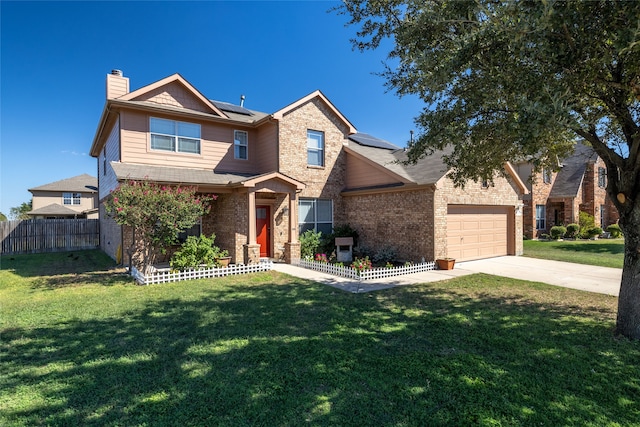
(302,167)
(75,197)
(558,197)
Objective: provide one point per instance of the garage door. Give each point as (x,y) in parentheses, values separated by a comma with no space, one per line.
(476,231)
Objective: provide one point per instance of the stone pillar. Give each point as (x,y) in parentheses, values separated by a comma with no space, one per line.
(252,253)
(291,252)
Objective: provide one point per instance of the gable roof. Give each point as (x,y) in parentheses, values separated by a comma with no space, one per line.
(174,78)
(570,176)
(78,184)
(54,209)
(316,94)
(426,171)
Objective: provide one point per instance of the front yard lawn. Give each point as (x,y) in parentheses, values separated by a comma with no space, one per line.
(603,252)
(86,347)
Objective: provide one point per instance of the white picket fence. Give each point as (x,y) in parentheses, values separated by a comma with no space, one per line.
(376,273)
(166,275)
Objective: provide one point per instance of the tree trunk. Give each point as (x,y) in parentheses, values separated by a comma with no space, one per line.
(628,321)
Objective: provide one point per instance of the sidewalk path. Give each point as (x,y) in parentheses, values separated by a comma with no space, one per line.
(577,276)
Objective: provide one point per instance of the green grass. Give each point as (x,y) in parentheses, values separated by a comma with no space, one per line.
(603,253)
(82,345)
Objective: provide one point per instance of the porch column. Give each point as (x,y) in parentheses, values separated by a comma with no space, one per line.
(251,249)
(292,247)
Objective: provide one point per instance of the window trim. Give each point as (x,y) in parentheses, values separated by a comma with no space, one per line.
(236,145)
(541,220)
(175,137)
(319,150)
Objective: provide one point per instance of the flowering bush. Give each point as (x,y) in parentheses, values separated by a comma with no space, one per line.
(321,258)
(156,213)
(361,264)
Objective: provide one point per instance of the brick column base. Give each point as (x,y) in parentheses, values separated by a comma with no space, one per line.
(291,252)
(251,253)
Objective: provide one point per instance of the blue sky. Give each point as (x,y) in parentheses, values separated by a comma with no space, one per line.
(55,57)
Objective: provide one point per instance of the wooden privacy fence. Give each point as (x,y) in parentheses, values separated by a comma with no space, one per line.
(48,235)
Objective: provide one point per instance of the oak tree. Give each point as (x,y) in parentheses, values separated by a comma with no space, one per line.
(521,81)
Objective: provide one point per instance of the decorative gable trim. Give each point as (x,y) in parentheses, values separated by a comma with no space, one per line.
(256,180)
(174,78)
(516,178)
(278,115)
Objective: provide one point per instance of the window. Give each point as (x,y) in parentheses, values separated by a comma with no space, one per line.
(240,144)
(71,198)
(170,135)
(104,160)
(315,148)
(541,223)
(602,177)
(315,214)
(603,212)
(546,175)
(196,231)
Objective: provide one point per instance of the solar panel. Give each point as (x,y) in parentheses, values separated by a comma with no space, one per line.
(372,141)
(231,108)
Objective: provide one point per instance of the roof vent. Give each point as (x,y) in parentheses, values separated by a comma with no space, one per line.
(116,72)
(242,100)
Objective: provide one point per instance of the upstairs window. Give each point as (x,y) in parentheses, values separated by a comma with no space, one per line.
(315,148)
(71,198)
(546,175)
(602,177)
(171,135)
(240,144)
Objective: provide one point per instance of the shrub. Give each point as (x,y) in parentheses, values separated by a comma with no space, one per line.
(197,251)
(594,231)
(572,230)
(615,230)
(558,232)
(309,242)
(586,222)
(385,254)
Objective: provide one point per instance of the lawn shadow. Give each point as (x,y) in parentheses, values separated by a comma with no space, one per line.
(66,269)
(600,248)
(301,353)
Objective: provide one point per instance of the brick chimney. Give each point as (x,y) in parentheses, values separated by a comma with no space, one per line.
(117,84)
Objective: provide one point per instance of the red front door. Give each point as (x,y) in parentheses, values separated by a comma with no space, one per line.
(263,230)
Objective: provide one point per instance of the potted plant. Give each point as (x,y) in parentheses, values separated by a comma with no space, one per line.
(445,263)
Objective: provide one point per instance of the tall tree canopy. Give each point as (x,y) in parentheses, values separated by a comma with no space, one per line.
(20,212)
(521,81)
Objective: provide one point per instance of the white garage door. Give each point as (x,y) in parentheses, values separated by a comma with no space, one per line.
(475,232)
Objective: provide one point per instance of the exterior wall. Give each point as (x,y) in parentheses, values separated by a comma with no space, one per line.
(538,195)
(595,196)
(265,148)
(111,237)
(226,219)
(361,174)
(46,198)
(174,95)
(107,180)
(324,182)
(216,146)
(117,86)
(402,219)
(503,193)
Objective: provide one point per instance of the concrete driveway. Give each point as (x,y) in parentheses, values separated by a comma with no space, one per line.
(603,280)
(577,276)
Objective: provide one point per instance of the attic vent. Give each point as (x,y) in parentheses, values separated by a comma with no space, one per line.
(116,72)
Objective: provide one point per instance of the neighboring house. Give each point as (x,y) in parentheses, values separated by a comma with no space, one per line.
(75,197)
(302,167)
(557,198)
